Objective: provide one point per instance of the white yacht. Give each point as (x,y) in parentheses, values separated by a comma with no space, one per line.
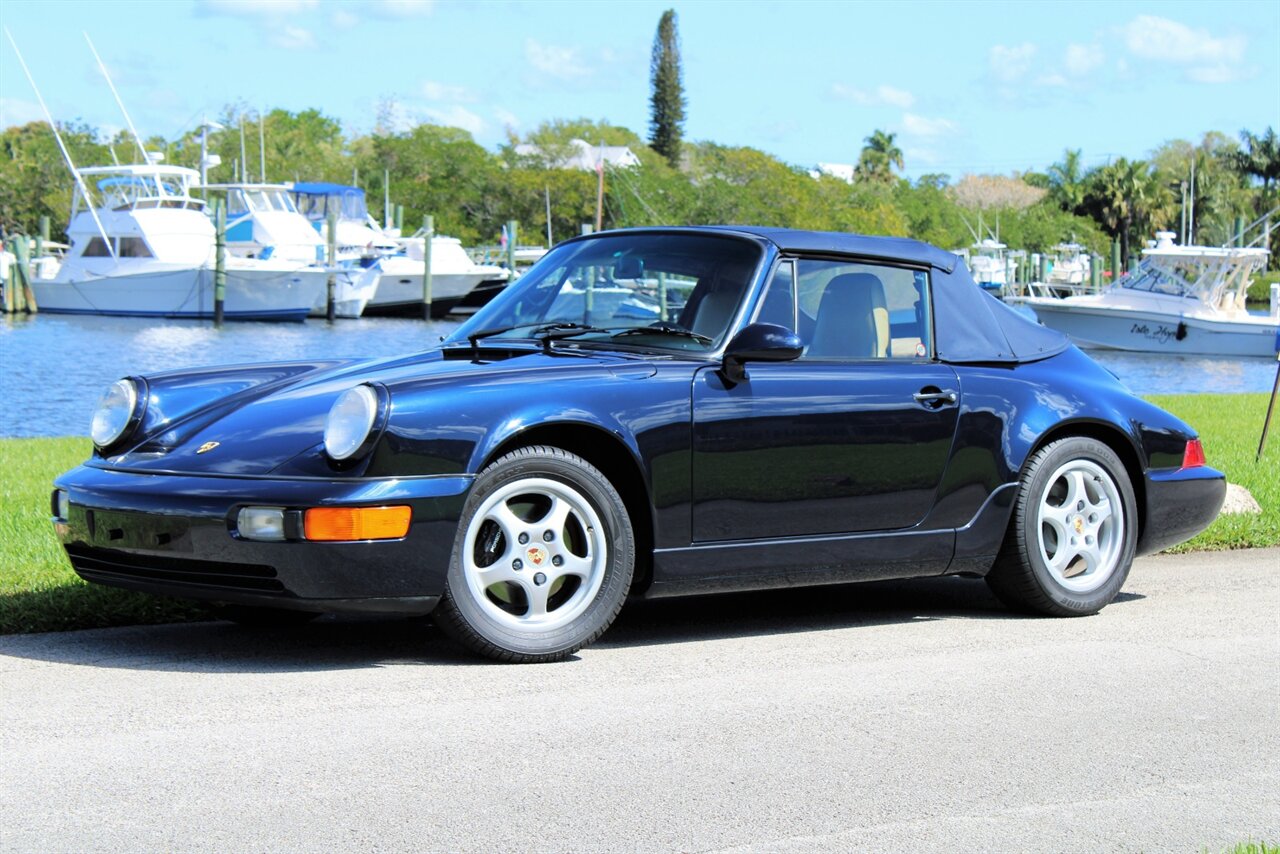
(990,265)
(1178,299)
(263,223)
(1068,272)
(154,255)
(454,276)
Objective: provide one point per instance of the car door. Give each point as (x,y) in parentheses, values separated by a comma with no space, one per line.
(854,436)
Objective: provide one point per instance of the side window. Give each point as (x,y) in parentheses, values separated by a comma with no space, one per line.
(854,311)
(96,248)
(779,303)
(134,247)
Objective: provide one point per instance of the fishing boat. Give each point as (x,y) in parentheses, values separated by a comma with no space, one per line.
(455,278)
(263,223)
(146,247)
(1177,299)
(990,265)
(1068,272)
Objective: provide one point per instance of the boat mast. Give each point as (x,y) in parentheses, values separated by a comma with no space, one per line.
(133,130)
(75,173)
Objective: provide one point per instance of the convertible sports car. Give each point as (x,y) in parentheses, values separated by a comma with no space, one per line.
(647,412)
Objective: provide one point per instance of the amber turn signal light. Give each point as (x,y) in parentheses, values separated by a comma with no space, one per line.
(335,524)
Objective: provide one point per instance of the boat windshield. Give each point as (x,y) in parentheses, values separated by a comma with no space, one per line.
(347,204)
(1150,278)
(664,291)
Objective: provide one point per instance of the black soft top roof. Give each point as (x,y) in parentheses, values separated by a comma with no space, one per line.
(970,325)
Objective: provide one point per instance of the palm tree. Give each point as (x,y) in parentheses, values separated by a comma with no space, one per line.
(1260,158)
(878,158)
(1130,198)
(1066,181)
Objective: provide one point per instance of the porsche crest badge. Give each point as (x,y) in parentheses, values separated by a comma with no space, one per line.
(207,447)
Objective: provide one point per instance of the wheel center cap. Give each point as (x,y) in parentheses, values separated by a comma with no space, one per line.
(1078,524)
(537,555)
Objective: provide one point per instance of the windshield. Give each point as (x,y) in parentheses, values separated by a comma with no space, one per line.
(670,291)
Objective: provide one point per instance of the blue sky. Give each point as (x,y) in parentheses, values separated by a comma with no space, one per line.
(968,87)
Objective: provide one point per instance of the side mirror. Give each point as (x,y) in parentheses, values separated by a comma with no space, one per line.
(759,342)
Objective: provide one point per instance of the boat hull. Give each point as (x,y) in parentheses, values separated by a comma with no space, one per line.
(1116,328)
(184,292)
(353,288)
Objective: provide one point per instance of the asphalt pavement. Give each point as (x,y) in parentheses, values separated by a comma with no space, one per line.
(904,715)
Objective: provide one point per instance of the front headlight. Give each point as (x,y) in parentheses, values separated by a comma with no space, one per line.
(117,411)
(350,421)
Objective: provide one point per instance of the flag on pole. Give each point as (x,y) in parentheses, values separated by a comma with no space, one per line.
(505,237)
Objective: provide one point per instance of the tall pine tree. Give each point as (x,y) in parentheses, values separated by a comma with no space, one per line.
(666,122)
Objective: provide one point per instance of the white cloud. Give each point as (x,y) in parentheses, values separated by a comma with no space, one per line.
(294,38)
(14,111)
(434,91)
(401,8)
(1083,58)
(255,8)
(927,156)
(1151,37)
(344,20)
(883,95)
(1011,63)
(564,63)
(921,126)
(457,117)
(506,118)
(1207,58)
(1052,79)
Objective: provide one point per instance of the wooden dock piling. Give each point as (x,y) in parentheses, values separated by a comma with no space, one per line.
(330,306)
(428,232)
(219,261)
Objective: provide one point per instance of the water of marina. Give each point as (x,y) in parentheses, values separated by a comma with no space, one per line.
(54,367)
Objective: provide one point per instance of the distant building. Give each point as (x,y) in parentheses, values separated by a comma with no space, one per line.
(586,156)
(843,171)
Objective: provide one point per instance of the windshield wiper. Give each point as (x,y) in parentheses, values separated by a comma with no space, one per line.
(474,338)
(566,329)
(664,329)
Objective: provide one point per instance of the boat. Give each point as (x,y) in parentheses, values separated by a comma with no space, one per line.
(990,265)
(455,278)
(263,222)
(1068,272)
(1177,299)
(147,248)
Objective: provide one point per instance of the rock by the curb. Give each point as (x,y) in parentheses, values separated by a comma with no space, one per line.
(1239,500)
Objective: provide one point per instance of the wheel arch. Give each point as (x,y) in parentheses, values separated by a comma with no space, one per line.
(616,461)
(1114,438)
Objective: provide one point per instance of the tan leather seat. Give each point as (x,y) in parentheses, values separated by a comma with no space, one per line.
(853,319)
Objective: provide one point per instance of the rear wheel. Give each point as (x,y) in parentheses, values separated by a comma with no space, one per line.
(542,561)
(1073,534)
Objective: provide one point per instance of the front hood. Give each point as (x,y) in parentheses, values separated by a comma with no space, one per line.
(257,418)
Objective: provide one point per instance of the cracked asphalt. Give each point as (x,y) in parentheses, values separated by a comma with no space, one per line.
(893,716)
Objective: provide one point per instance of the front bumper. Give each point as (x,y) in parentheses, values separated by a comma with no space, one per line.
(175,535)
(1180,504)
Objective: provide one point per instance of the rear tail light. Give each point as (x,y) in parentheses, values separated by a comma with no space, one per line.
(1194,454)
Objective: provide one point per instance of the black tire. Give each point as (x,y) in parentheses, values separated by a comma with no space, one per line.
(263,618)
(493,620)
(1022,577)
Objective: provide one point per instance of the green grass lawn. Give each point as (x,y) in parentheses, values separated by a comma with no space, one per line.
(39,591)
(1229,426)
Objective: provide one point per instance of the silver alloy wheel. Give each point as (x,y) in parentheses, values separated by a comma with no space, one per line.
(1080,530)
(535,554)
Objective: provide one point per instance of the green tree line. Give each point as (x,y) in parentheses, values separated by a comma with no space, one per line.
(471,191)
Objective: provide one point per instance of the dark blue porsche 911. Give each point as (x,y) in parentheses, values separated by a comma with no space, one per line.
(648,412)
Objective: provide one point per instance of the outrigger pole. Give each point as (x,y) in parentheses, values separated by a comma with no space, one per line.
(75,173)
(133,130)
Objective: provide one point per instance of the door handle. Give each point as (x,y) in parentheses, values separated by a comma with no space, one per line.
(935,399)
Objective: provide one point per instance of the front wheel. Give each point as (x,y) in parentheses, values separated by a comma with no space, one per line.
(542,560)
(1073,534)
